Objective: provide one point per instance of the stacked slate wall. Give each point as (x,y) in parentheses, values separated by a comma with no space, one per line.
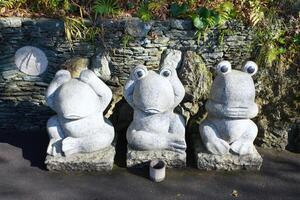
(122,44)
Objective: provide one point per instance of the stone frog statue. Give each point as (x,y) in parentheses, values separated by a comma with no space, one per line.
(153,97)
(230,107)
(79,126)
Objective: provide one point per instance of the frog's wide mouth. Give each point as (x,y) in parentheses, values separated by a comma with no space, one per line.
(72,117)
(236,112)
(152,111)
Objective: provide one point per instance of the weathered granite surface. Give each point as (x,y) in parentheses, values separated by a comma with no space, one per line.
(138,159)
(79,126)
(231,106)
(227,162)
(101,160)
(153,96)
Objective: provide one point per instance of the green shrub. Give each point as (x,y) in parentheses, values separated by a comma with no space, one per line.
(205,19)
(144,13)
(106,7)
(177,10)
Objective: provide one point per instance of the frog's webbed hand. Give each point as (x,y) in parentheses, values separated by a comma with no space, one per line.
(100,88)
(60,78)
(210,138)
(179,91)
(220,110)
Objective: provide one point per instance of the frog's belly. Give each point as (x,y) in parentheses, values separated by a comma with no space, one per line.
(82,127)
(231,130)
(158,123)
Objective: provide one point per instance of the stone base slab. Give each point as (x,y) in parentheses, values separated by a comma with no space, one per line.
(136,159)
(228,162)
(101,160)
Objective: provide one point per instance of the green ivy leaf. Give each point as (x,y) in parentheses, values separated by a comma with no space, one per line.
(198,23)
(178,10)
(203,12)
(281,50)
(296,39)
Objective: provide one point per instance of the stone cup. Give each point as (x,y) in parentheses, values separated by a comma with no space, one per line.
(157,170)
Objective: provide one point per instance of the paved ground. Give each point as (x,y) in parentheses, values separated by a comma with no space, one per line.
(23,176)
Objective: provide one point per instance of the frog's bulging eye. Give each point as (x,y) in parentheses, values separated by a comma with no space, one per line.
(224,67)
(140,73)
(166,73)
(250,68)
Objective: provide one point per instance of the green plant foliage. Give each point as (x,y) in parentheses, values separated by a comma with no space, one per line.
(257,13)
(226,12)
(158,8)
(177,10)
(273,39)
(106,7)
(296,39)
(129,5)
(205,19)
(92,33)
(222,33)
(253,11)
(6,3)
(49,6)
(271,42)
(12,3)
(144,13)
(75,29)
(126,39)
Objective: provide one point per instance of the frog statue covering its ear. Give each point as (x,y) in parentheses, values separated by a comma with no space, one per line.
(79,125)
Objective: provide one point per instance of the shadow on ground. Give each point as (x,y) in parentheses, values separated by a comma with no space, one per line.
(32,144)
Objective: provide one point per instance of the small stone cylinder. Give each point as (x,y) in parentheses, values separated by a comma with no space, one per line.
(157,170)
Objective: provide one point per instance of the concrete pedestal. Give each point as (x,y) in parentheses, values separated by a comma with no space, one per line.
(101,160)
(142,158)
(228,162)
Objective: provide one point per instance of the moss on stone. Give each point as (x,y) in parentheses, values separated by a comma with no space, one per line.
(76,65)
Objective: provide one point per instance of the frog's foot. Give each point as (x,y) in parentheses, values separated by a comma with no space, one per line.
(177,145)
(55,147)
(242,147)
(71,145)
(143,140)
(218,146)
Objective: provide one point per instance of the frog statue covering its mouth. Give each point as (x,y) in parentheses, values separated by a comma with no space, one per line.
(230,107)
(154,96)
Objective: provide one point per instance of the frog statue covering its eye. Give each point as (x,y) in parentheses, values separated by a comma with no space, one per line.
(153,97)
(230,107)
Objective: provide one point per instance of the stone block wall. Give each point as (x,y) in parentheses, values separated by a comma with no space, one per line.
(123,44)
(22,104)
